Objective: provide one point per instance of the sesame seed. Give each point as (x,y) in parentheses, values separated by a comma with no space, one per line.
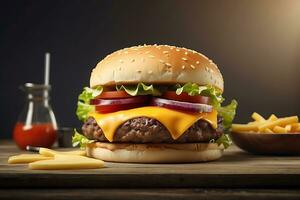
(183,58)
(126,52)
(150,72)
(192,66)
(165,52)
(178,50)
(151,56)
(147,52)
(186,53)
(161,61)
(168,64)
(182,66)
(197,62)
(171,47)
(206,69)
(121,61)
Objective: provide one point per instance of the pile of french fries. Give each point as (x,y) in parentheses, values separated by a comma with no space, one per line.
(272,124)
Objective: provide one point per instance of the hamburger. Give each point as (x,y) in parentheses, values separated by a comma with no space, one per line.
(154,104)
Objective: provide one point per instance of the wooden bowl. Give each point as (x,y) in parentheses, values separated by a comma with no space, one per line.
(268,144)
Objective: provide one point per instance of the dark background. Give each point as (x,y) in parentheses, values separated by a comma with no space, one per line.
(256,45)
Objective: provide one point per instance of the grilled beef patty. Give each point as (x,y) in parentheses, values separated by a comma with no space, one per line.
(149,130)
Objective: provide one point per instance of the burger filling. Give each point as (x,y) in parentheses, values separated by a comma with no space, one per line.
(149,130)
(193,103)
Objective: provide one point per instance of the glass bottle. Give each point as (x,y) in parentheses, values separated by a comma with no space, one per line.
(36,125)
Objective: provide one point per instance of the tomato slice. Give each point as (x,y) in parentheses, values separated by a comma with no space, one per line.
(185,97)
(113,105)
(113,95)
(117,107)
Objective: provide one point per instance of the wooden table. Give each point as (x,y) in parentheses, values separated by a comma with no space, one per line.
(238,175)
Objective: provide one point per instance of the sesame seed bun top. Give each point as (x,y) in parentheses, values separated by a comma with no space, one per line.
(156,64)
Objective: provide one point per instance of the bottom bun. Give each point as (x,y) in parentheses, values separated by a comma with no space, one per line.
(155,153)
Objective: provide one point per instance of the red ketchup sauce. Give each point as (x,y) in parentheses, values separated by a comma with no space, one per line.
(39,135)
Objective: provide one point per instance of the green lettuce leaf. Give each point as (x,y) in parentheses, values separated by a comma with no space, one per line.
(80,140)
(83,104)
(139,89)
(216,99)
(194,89)
(83,109)
(228,113)
(89,93)
(224,140)
(191,88)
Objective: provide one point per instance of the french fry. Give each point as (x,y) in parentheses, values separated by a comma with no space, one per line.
(27,158)
(279,129)
(279,122)
(272,124)
(63,161)
(51,153)
(257,117)
(244,127)
(288,128)
(254,122)
(295,127)
(272,118)
(298,129)
(267,130)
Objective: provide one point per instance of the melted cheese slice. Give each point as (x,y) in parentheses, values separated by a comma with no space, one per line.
(175,121)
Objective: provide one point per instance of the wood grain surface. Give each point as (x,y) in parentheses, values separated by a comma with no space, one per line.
(237,169)
(145,194)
